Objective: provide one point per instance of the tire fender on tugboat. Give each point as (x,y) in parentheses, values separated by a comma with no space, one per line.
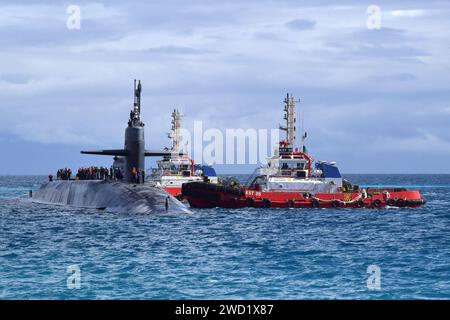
(266,203)
(360,203)
(250,202)
(315,203)
(336,204)
(391,202)
(376,203)
(400,203)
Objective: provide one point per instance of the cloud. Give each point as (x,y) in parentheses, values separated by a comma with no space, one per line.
(16,78)
(394,77)
(164,50)
(229,65)
(408,13)
(301,24)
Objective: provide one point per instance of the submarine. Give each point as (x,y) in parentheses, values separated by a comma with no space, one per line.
(128,194)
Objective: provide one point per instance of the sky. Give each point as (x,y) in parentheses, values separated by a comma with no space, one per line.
(372,100)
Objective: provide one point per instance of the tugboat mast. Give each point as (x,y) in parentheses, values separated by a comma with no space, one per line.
(289,116)
(175,134)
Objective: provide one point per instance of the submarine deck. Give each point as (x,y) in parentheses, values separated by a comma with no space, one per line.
(107,194)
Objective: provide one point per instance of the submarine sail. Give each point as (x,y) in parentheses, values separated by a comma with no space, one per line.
(134,150)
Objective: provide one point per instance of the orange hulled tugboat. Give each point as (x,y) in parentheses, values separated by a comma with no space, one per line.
(291,179)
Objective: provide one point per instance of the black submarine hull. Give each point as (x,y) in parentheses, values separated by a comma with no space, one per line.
(110,195)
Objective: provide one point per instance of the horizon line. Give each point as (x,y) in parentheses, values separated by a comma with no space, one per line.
(226,173)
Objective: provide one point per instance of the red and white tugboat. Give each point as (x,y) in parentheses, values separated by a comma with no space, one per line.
(289,181)
(178,168)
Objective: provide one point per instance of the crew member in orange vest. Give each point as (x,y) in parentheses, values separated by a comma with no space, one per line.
(134,174)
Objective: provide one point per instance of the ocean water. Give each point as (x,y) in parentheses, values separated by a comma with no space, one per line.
(227,254)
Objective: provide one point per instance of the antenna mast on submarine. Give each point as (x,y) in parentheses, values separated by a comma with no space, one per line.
(135,114)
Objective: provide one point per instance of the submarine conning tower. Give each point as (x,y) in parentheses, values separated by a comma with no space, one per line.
(134,137)
(134,150)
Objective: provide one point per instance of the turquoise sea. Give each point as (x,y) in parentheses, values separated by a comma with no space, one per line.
(227,254)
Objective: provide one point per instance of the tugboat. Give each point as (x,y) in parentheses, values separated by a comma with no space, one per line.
(289,181)
(177,168)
